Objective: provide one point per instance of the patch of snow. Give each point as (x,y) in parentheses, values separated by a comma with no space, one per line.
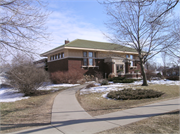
(90,82)
(120,86)
(100,89)
(55,86)
(161,82)
(10,95)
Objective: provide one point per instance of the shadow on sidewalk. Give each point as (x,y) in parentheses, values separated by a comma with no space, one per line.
(80,121)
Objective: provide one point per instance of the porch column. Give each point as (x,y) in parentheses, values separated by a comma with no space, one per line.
(112,67)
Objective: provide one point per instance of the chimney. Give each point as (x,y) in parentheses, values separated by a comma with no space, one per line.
(66,41)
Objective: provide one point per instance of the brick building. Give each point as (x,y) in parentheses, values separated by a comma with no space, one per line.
(87,56)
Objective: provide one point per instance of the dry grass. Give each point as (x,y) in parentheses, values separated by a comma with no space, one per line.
(166,123)
(23,114)
(95,104)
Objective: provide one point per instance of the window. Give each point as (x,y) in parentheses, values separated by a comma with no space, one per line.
(54,57)
(91,62)
(62,55)
(131,63)
(59,56)
(127,56)
(90,54)
(90,58)
(51,58)
(131,56)
(119,68)
(84,54)
(85,62)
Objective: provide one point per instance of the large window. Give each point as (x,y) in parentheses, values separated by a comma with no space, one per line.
(85,62)
(90,58)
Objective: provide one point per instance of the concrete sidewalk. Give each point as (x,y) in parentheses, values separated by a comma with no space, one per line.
(68,117)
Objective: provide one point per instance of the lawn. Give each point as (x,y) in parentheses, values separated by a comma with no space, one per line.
(32,112)
(166,123)
(95,104)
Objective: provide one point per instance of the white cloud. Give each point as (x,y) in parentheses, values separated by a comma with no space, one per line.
(66,25)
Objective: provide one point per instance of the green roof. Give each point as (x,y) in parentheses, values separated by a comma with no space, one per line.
(80,43)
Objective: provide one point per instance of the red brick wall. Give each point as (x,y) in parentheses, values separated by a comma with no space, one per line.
(59,65)
(76,65)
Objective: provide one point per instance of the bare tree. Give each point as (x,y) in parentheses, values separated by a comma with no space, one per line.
(143,25)
(22,24)
(24,76)
(164,58)
(174,51)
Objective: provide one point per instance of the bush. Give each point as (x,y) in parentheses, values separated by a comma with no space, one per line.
(26,78)
(89,77)
(70,77)
(173,78)
(110,79)
(118,78)
(104,82)
(124,81)
(130,94)
(128,81)
(90,85)
(117,81)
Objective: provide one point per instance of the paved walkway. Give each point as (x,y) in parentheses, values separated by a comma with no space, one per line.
(68,117)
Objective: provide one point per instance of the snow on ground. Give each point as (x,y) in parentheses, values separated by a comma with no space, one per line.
(55,86)
(161,82)
(120,86)
(11,95)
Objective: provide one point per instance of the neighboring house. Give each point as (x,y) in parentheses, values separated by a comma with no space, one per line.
(173,71)
(87,56)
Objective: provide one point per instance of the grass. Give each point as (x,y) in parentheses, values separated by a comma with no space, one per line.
(32,112)
(166,123)
(95,104)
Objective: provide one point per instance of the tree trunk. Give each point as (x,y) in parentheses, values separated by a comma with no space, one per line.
(143,73)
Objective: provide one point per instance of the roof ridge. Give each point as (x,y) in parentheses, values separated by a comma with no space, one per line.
(96,41)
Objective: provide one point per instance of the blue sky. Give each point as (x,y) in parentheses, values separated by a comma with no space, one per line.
(72,19)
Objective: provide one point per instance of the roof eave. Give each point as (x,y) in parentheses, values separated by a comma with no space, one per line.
(51,51)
